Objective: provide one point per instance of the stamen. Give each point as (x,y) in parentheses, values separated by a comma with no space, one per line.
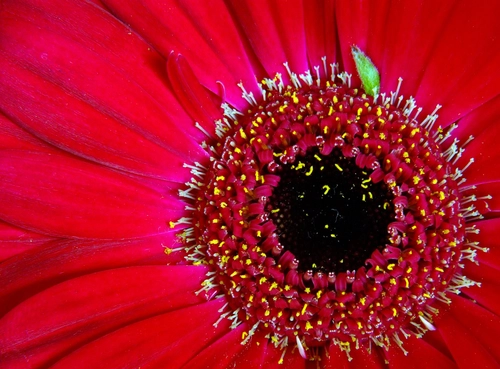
(302,351)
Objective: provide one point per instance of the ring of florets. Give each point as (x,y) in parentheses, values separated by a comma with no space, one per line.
(233,232)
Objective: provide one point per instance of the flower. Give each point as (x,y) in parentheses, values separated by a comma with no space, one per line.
(98,108)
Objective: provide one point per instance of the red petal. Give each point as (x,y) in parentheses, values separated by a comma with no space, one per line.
(202,31)
(69,197)
(253,354)
(15,241)
(481,323)
(362,359)
(321,32)
(420,355)
(467,351)
(220,354)
(444,51)
(291,359)
(464,71)
(65,259)
(488,238)
(275,31)
(487,294)
(193,96)
(165,341)
(14,137)
(63,318)
(335,359)
(96,103)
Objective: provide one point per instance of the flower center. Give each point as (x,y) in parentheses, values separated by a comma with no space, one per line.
(329,213)
(327,216)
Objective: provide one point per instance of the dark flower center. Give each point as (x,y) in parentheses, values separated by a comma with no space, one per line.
(329,213)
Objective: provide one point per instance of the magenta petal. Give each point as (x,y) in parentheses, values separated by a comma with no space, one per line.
(69,197)
(165,341)
(213,46)
(60,319)
(61,260)
(467,350)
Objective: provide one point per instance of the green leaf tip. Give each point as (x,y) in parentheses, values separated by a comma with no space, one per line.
(368,72)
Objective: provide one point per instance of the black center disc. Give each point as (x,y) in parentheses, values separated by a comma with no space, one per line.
(329,214)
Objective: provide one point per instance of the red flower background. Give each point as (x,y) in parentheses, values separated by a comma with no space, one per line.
(98,101)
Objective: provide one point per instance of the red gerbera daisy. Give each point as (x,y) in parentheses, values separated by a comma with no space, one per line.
(236,184)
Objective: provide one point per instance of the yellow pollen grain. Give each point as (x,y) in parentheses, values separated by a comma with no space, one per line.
(339,167)
(308,326)
(379,111)
(360,110)
(310,171)
(326,188)
(243,134)
(416,180)
(274,211)
(317,157)
(335,99)
(330,112)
